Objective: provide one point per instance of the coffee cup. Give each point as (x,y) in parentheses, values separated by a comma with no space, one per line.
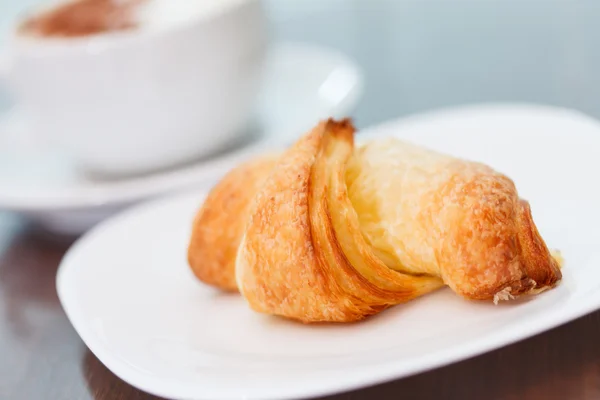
(172,81)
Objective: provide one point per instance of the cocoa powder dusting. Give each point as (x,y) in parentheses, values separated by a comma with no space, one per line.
(83,17)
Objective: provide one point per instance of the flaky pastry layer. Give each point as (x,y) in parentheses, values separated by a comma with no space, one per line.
(219,225)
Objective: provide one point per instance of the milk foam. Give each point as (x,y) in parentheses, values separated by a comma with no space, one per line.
(139,14)
(158,14)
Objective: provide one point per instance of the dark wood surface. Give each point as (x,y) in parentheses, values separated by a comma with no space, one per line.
(41,356)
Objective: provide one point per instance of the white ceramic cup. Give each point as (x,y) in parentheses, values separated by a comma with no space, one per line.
(140,100)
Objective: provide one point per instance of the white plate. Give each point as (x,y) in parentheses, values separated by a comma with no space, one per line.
(303,84)
(127,290)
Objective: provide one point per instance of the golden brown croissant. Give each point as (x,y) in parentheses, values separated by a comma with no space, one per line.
(219,224)
(336,234)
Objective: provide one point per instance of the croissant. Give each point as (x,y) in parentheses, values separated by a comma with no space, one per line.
(330,232)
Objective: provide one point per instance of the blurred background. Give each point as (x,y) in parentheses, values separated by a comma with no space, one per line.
(415,55)
(412,56)
(419,54)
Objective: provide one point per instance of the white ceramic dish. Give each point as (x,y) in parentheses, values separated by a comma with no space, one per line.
(128,292)
(146,98)
(304,83)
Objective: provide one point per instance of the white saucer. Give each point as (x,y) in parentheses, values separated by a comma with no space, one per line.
(304,84)
(127,290)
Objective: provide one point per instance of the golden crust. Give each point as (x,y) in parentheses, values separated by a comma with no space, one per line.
(219,224)
(276,267)
(294,262)
(453,218)
(327,232)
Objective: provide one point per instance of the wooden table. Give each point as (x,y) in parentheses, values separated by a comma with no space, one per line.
(41,356)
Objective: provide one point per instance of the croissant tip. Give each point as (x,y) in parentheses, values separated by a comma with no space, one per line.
(343,129)
(538,259)
(344,123)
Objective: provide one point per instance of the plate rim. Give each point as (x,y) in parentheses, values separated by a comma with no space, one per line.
(540,322)
(386,371)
